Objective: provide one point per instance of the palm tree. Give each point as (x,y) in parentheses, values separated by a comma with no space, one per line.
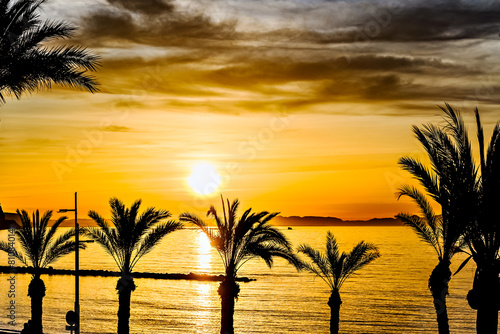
(430,229)
(452,182)
(483,236)
(26,65)
(132,237)
(239,240)
(468,201)
(40,248)
(335,268)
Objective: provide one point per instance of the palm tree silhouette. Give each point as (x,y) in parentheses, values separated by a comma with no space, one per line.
(132,237)
(468,201)
(335,268)
(430,229)
(452,182)
(40,248)
(26,65)
(239,240)
(483,235)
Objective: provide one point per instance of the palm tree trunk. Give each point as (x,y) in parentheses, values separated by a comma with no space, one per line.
(36,291)
(438,284)
(125,287)
(228,291)
(484,297)
(487,320)
(334,302)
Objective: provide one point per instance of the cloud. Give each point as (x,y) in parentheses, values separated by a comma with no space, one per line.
(224,55)
(152,22)
(334,22)
(279,70)
(115,128)
(263,83)
(428,21)
(147,7)
(214,23)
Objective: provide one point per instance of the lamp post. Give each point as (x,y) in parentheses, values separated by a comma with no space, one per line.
(77,265)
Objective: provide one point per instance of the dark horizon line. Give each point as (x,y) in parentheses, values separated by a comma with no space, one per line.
(277,221)
(109,273)
(291,221)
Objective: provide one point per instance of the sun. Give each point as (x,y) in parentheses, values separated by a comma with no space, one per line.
(204,179)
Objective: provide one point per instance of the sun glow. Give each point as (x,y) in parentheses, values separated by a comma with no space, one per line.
(204,179)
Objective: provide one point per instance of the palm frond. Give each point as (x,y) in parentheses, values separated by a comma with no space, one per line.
(268,251)
(52,231)
(332,250)
(422,174)
(13,252)
(333,268)
(134,234)
(149,218)
(153,237)
(429,229)
(361,255)
(422,229)
(109,234)
(109,246)
(26,65)
(211,233)
(52,252)
(39,248)
(320,265)
(239,240)
(425,207)
(60,250)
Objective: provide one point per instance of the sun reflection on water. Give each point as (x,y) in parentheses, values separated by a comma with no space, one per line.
(204,254)
(203,289)
(203,303)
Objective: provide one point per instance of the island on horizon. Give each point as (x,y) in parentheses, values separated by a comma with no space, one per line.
(288,221)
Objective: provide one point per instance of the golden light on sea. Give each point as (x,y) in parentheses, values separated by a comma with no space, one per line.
(204,255)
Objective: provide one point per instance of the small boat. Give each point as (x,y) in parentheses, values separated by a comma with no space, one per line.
(290,228)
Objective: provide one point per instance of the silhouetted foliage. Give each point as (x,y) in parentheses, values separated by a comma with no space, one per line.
(468,200)
(131,237)
(452,182)
(483,235)
(238,240)
(40,248)
(26,65)
(334,268)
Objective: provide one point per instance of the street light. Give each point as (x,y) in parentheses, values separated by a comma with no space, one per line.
(77,263)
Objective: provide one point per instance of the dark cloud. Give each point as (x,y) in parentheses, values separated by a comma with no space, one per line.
(155,23)
(147,7)
(162,23)
(414,53)
(277,70)
(177,76)
(449,21)
(410,22)
(296,84)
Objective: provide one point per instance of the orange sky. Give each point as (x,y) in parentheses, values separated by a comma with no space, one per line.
(297,115)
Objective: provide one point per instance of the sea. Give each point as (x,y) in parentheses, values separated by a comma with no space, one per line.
(390,295)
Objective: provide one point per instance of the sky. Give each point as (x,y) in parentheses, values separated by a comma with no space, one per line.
(302,107)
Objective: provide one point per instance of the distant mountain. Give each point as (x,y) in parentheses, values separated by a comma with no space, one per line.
(333,221)
(82,222)
(285,221)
